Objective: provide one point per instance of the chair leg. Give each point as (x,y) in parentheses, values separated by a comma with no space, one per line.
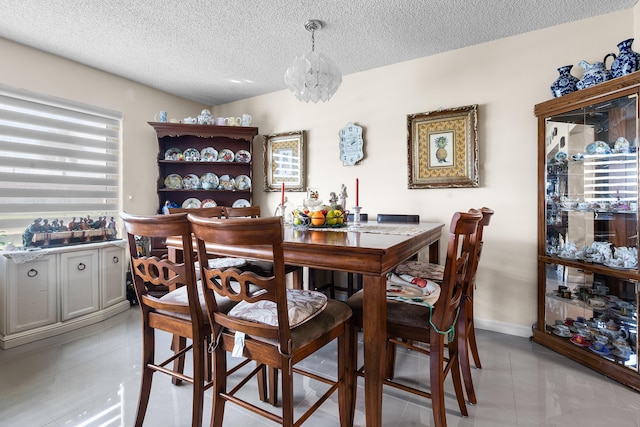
(456,377)
(219,386)
(391,360)
(198,380)
(273,386)
(463,342)
(436,379)
(148,349)
(346,378)
(262,384)
(287,392)
(471,335)
(177,344)
(353,352)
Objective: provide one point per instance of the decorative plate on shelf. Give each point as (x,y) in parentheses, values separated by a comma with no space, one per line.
(209,181)
(209,154)
(226,155)
(172,153)
(243,156)
(597,147)
(192,203)
(191,182)
(243,182)
(191,155)
(227,183)
(241,203)
(173,181)
(208,203)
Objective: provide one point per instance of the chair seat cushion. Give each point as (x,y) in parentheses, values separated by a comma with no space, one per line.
(425,270)
(398,312)
(224,262)
(303,305)
(179,296)
(334,314)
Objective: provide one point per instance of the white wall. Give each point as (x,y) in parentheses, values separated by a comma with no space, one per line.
(41,72)
(506,78)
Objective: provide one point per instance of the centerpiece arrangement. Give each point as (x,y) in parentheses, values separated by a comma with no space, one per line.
(316,214)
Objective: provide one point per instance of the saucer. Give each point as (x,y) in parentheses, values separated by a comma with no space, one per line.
(603,352)
(584,344)
(563,335)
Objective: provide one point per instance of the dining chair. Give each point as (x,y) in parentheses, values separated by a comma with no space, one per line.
(467,337)
(178,312)
(416,321)
(275,326)
(254,212)
(212,212)
(354,281)
(240,212)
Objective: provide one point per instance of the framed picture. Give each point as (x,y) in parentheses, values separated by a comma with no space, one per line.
(284,161)
(443,148)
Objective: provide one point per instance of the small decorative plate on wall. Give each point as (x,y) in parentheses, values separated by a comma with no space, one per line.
(351,144)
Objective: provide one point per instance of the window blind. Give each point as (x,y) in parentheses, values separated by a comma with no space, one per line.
(59,159)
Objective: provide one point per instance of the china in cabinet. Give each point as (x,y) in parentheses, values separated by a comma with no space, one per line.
(588,227)
(204,165)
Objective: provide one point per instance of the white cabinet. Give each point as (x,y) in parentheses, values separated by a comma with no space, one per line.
(35,283)
(55,290)
(114,269)
(79,286)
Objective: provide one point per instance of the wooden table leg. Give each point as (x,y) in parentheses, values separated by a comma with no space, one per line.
(375,333)
(434,252)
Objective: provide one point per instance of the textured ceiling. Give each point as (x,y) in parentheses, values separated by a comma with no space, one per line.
(218,51)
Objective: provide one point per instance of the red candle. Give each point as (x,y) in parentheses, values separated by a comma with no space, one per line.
(282,202)
(357,191)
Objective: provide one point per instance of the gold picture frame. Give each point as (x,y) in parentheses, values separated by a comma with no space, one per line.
(443,148)
(284,155)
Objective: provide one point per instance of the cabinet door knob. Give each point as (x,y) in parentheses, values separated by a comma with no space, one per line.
(82,266)
(116,260)
(32,273)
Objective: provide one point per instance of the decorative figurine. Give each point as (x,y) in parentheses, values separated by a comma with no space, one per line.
(342,199)
(27,236)
(333,199)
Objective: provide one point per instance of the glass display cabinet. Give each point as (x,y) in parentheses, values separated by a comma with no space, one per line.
(588,227)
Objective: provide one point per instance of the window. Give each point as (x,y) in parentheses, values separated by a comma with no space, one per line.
(59,159)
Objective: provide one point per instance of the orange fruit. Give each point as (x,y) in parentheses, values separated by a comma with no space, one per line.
(317,218)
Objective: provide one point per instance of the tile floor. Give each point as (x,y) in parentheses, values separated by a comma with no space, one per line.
(90,377)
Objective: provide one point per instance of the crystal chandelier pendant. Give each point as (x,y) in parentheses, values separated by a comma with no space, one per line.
(313,76)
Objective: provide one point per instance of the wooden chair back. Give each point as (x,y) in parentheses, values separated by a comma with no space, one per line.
(461,250)
(253,287)
(150,271)
(214,212)
(243,212)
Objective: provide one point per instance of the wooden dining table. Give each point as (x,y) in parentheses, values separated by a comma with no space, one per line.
(372,250)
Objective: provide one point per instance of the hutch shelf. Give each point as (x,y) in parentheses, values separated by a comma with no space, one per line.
(588,227)
(181,179)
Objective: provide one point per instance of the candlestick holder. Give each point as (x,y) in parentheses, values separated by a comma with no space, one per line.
(281,211)
(356,218)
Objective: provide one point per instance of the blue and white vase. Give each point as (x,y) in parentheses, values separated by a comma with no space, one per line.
(565,84)
(627,61)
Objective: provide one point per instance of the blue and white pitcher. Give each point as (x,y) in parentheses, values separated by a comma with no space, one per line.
(594,74)
(627,61)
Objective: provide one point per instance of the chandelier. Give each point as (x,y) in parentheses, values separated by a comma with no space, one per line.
(313,76)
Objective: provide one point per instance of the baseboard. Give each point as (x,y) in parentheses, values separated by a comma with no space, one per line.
(503,328)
